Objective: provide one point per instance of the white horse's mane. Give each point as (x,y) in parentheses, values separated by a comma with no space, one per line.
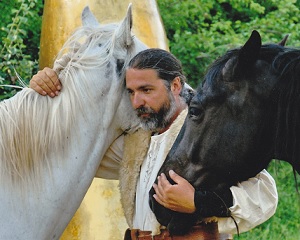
(32,125)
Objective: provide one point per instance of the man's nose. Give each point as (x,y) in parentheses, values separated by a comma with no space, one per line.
(137,101)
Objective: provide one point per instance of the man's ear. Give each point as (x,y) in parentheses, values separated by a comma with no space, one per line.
(176,85)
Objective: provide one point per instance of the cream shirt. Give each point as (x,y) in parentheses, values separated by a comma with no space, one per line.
(144,218)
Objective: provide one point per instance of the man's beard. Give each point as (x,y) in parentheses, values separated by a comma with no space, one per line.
(157,121)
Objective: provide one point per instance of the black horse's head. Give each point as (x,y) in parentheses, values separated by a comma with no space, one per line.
(245,114)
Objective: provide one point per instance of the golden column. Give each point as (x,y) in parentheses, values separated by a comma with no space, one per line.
(100,215)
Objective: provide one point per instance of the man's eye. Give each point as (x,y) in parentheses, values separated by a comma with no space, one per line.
(130,92)
(147,90)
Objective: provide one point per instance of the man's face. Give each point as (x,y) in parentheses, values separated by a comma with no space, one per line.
(153,102)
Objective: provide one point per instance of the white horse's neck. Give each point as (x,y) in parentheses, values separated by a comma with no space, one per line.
(72,158)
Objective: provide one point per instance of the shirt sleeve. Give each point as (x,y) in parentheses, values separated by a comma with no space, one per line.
(254,202)
(110,163)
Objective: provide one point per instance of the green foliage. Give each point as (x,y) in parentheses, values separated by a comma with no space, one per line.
(20,32)
(199,31)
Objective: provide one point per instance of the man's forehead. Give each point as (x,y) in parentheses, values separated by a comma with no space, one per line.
(141,77)
(140,85)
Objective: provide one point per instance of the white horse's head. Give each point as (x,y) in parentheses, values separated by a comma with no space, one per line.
(99,54)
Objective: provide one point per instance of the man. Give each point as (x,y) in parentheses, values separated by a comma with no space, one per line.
(154,81)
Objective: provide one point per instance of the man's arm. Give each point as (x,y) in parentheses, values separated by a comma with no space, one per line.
(110,163)
(253,201)
(46,82)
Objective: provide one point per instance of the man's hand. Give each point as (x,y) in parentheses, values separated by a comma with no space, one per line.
(178,197)
(46,82)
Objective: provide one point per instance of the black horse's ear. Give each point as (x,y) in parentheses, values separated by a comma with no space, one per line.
(248,54)
(250,51)
(283,41)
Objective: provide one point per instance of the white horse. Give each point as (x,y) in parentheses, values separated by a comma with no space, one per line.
(50,149)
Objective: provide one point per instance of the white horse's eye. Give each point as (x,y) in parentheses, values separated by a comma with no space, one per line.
(120,65)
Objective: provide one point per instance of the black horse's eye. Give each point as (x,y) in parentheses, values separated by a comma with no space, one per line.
(194,111)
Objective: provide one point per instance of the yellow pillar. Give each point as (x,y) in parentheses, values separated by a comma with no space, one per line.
(61,17)
(100,216)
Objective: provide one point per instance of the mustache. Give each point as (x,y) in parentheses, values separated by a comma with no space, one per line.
(143,110)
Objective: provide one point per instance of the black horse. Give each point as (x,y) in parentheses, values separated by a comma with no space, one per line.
(245,114)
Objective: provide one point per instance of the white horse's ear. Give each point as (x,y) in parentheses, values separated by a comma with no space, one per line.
(124,31)
(88,18)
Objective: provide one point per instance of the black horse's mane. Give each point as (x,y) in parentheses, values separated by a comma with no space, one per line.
(287,88)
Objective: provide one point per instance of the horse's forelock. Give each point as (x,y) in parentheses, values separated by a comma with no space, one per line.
(90,46)
(84,49)
(215,69)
